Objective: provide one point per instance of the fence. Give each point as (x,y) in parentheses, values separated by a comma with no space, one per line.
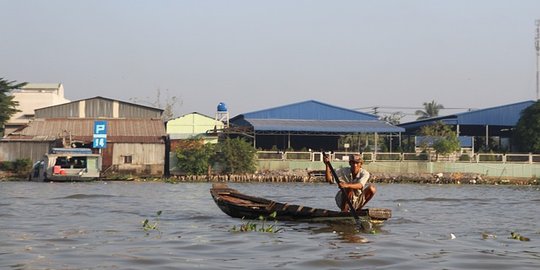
(403,157)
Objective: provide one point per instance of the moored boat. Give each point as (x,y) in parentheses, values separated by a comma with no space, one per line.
(67,164)
(238,205)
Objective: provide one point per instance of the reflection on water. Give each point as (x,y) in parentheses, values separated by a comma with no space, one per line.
(346,232)
(98,226)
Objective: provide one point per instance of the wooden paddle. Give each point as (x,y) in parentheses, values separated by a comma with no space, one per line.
(352,210)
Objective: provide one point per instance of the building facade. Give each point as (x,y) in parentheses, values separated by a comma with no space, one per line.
(33,96)
(136,136)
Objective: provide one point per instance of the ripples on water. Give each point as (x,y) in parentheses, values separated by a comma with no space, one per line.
(98,226)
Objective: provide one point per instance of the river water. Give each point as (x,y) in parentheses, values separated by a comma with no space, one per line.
(98,225)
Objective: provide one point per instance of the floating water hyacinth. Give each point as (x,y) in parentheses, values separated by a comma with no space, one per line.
(519,237)
(366,225)
(251,226)
(147,226)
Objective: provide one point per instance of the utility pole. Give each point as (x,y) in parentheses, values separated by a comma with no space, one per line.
(537,45)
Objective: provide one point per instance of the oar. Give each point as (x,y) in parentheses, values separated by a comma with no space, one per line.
(352,210)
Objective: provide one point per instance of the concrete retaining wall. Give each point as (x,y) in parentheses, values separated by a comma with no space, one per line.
(513,170)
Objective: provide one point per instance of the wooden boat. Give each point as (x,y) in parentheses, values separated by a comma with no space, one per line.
(238,205)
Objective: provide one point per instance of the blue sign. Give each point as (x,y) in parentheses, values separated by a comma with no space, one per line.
(100,134)
(99,142)
(100,127)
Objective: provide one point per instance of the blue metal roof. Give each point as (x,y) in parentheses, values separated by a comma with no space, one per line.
(505,115)
(464,141)
(313,116)
(324,126)
(309,110)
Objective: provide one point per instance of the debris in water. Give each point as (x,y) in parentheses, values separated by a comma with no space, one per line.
(486,235)
(519,237)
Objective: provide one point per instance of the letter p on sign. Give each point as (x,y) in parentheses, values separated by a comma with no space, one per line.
(100,127)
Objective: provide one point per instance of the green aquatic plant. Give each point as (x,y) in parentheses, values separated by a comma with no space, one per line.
(366,226)
(253,226)
(152,226)
(170,180)
(518,236)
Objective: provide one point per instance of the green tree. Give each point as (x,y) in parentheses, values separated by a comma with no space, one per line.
(394,118)
(360,142)
(236,156)
(196,160)
(8,106)
(527,132)
(431,109)
(444,139)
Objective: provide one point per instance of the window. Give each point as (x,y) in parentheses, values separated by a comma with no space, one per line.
(128,159)
(79,162)
(63,162)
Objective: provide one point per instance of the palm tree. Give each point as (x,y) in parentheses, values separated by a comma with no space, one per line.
(8,106)
(431,109)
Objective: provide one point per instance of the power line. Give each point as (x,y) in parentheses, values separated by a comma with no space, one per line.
(409,108)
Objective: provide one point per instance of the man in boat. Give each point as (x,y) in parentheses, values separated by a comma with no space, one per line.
(353,182)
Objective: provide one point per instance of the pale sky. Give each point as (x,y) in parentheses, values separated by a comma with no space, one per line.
(254,55)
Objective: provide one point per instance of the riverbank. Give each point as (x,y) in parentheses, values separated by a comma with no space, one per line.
(318,176)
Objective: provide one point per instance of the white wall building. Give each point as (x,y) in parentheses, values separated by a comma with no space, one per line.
(34,96)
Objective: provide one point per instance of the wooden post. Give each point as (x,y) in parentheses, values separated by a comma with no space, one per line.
(487,137)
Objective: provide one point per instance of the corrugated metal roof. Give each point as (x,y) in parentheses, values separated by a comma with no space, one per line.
(104,98)
(118,130)
(308,110)
(322,126)
(505,115)
(313,117)
(464,141)
(192,113)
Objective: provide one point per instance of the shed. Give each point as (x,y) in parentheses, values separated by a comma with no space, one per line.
(308,124)
(133,145)
(136,136)
(194,125)
(97,107)
(495,121)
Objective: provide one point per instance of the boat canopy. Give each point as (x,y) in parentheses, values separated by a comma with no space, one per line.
(71,151)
